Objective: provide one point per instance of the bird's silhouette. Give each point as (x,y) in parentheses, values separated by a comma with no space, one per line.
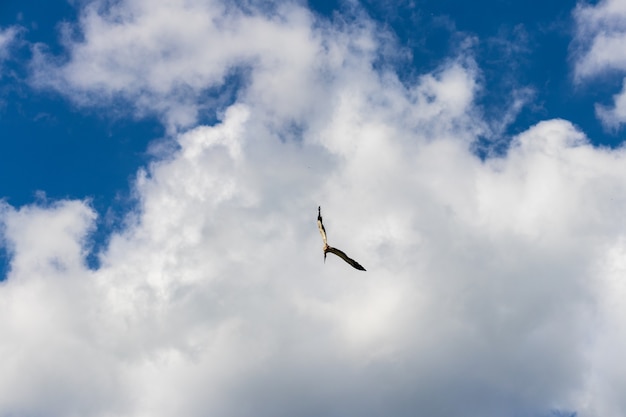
(327,249)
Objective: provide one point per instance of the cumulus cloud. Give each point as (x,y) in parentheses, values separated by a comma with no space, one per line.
(165,58)
(613,116)
(598,49)
(492,288)
(600,31)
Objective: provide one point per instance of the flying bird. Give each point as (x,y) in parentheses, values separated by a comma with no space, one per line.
(327,249)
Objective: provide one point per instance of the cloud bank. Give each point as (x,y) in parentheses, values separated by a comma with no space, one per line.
(493,286)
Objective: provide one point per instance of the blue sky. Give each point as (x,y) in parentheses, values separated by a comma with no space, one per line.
(161,164)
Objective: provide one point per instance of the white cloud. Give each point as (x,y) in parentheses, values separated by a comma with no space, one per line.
(492,286)
(600,32)
(613,116)
(163,57)
(598,49)
(8,37)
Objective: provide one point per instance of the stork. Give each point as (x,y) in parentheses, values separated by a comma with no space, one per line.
(327,249)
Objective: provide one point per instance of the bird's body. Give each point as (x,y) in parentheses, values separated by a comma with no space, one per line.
(330,249)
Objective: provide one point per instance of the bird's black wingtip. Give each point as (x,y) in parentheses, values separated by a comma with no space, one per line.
(356,265)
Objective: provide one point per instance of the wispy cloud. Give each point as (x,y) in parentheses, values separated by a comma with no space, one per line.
(492,286)
(8,37)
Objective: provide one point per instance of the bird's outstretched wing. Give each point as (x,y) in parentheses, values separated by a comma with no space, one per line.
(343,256)
(320,225)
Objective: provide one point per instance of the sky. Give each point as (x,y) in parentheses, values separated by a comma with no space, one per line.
(161,166)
